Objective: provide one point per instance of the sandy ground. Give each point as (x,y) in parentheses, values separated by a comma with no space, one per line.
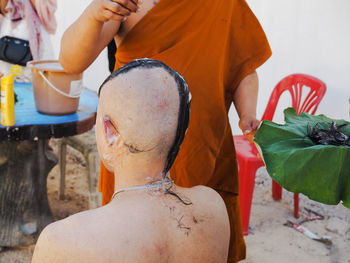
(268,241)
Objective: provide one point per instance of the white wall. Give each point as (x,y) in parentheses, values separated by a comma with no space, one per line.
(311,37)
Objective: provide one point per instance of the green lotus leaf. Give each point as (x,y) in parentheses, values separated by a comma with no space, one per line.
(321,172)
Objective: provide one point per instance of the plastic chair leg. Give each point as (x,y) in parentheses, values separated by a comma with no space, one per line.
(277,195)
(62,151)
(276,191)
(296,205)
(247,171)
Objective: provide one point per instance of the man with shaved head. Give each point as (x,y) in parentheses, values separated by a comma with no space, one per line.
(142,118)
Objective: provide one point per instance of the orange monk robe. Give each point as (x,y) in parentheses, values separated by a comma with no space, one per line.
(214,45)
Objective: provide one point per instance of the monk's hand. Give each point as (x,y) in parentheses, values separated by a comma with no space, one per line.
(118,10)
(249,125)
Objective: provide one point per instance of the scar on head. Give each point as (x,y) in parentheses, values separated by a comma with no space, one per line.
(165,80)
(162,103)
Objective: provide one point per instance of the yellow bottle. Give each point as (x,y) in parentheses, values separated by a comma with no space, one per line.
(7,97)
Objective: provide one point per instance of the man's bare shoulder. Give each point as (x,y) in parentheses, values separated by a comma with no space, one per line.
(209,204)
(207,219)
(209,198)
(48,246)
(59,240)
(99,234)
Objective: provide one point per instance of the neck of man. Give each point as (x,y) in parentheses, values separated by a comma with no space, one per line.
(136,173)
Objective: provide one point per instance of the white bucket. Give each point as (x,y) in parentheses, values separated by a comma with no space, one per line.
(56,92)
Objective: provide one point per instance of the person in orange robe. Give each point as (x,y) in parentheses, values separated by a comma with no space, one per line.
(216,47)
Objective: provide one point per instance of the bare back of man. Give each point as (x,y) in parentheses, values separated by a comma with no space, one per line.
(144,226)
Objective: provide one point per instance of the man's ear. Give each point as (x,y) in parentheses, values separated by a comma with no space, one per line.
(109,130)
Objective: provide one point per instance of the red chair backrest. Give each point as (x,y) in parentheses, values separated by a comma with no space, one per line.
(294,84)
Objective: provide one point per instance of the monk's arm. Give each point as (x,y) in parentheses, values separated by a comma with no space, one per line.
(245,99)
(84,40)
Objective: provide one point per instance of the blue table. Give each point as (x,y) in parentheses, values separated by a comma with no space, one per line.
(33,125)
(26,160)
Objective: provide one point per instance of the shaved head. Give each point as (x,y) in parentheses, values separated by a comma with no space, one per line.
(147,104)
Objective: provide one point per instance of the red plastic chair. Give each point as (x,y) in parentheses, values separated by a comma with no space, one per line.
(248,157)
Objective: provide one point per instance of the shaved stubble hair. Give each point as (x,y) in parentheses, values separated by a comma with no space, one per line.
(184,99)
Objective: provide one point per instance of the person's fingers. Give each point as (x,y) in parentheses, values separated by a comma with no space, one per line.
(127,4)
(137,2)
(255,124)
(109,15)
(3,10)
(117,8)
(249,125)
(247,131)
(245,126)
